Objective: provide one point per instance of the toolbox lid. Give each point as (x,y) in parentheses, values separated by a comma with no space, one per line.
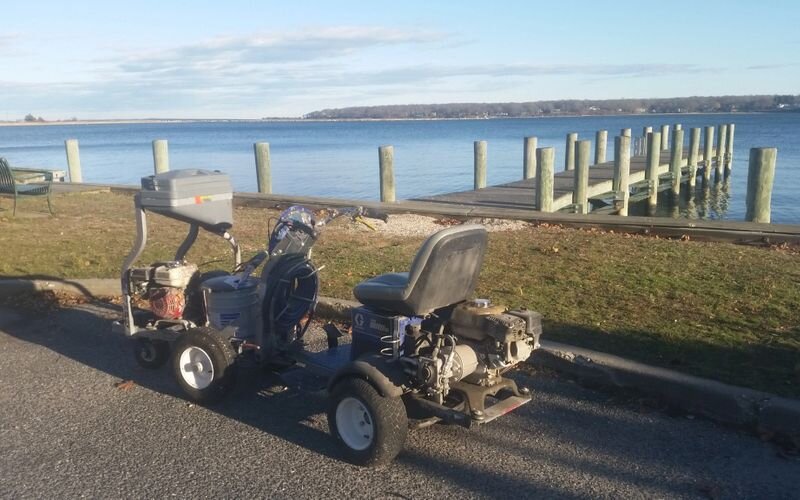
(191,195)
(186,182)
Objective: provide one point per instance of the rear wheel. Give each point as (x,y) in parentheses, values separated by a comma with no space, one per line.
(203,364)
(151,353)
(371,427)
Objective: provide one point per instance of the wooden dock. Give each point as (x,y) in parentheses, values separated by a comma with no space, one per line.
(521,194)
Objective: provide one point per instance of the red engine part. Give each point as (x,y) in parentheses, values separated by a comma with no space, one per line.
(167,302)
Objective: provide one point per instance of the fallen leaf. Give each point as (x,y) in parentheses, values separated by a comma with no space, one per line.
(125,385)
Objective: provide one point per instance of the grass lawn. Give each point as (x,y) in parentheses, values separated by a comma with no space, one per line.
(724,311)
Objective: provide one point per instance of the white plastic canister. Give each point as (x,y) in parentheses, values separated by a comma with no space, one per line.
(229,303)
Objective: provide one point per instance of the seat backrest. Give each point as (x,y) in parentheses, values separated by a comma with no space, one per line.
(446,268)
(6,176)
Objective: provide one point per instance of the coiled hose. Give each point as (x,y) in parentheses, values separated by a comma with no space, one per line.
(290,297)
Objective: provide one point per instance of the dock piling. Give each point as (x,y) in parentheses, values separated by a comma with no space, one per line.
(160,156)
(722,136)
(600,146)
(646,131)
(729,149)
(580,193)
(626,132)
(529,157)
(263,167)
(694,151)
(675,160)
(708,151)
(622,169)
(640,146)
(569,152)
(651,174)
(545,172)
(664,137)
(386,172)
(73,160)
(480,164)
(760,177)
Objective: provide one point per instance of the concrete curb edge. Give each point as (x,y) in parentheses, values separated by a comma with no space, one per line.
(737,406)
(93,287)
(745,408)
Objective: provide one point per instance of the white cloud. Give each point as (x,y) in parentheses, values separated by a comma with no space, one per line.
(293,47)
(759,67)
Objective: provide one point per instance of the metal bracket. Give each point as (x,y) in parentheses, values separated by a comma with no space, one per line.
(476,395)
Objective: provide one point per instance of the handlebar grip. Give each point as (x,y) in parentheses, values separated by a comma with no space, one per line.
(376,214)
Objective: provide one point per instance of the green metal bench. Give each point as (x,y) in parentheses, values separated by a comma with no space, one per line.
(10,185)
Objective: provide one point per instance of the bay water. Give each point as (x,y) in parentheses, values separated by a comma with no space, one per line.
(340,159)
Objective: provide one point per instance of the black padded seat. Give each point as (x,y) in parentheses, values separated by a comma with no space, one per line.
(444,271)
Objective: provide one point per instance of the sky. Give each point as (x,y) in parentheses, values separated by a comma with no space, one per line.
(254,59)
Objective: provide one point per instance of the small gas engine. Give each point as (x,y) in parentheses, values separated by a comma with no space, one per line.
(165,286)
(476,345)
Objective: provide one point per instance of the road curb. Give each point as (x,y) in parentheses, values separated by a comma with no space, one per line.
(93,287)
(335,309)
(765,413)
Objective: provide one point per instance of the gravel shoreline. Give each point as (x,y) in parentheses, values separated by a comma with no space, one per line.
(422,225)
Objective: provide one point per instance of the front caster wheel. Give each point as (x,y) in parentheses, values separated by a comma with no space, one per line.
(371,427)
(151,353)
(203,364)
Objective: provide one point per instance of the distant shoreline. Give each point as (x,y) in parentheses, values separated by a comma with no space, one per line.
(134,121)
(124,121)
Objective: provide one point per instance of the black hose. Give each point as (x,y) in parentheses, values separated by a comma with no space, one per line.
(290,297)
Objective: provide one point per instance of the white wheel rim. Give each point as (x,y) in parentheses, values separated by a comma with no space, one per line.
(354,424)
(197,369)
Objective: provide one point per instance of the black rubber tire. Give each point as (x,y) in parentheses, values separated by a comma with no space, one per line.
(150,353)
(388,416)
(223,361)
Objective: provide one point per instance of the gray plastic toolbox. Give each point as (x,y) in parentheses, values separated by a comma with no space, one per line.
(196,196)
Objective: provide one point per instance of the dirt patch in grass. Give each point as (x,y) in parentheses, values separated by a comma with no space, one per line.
(724,311)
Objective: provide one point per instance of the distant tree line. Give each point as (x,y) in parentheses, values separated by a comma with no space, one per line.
(723,104)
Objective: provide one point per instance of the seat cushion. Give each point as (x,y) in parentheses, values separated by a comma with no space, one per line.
(385,291)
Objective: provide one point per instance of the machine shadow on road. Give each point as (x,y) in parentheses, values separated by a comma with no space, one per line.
(83,334)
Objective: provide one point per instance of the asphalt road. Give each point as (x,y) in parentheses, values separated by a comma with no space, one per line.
(67,431)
